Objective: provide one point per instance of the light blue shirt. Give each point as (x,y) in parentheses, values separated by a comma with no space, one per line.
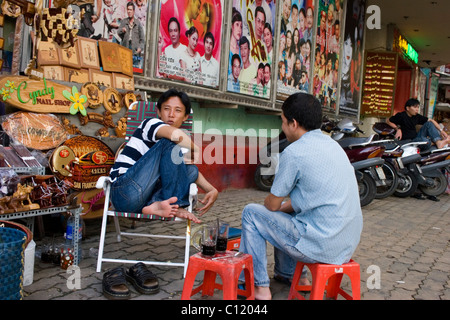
(317,175)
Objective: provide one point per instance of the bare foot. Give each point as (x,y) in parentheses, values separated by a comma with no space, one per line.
(263,293)
(162,208)
(304,282)
(442,143)
(184,214)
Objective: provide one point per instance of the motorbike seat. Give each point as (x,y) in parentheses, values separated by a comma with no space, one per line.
(355,141)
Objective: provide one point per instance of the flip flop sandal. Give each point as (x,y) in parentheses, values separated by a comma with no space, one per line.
(114,285)
(142,279)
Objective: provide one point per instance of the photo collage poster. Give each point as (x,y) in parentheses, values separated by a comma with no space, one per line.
(327,50)
(189,41)
(294,57)
(250,61)
(120,21)
(352,61)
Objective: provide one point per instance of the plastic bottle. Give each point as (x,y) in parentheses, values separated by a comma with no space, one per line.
(68,247)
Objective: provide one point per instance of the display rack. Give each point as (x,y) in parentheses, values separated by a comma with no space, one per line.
(29,216)
(26,170)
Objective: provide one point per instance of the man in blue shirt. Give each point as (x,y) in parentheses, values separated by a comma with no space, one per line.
(322,220)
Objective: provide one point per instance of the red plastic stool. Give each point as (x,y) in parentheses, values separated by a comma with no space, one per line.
(321,273)
(228,266)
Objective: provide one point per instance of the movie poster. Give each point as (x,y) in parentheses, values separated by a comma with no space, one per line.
(352,62)
(250,62)
(294,57)
(327,49)
(120,21)
(189,41)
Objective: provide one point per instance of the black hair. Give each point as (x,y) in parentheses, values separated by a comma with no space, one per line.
(191,31)
(131,4)
(244,40)
(175,93)
(305,109)
(411,103)
(209,35)
(236,56)
(260,9)
(171,20)
(235,16)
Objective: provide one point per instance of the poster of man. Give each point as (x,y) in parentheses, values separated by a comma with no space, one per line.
(352,58)
(190,40)
(326,60)
(120,21)
(294,56)
(252,39)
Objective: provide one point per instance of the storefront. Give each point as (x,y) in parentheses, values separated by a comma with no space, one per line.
(279,48)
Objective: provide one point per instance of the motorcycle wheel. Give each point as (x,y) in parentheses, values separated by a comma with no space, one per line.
(367,189)
(263,182)
(407,185)
(391,182)
(438,188)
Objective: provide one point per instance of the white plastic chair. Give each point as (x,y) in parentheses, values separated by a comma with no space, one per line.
(137,112)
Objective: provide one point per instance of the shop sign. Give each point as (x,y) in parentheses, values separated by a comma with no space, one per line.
(405,47)
(35,95)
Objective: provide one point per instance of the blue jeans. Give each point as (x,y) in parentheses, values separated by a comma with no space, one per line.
(427,132)
(260,225)
(154,177)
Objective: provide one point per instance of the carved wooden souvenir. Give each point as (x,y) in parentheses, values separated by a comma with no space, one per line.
(100,78)
(89,53)
(53,72)
(128,99)
(126,60)
(109,54)
(104,119)
(48,53)
(93,93)
(70,128)
(122,81)
(92,202)
(44,96)
(54,25)
(93,159)
(112,100)
(76,75)
(121,128)
(70,56)
(35,130)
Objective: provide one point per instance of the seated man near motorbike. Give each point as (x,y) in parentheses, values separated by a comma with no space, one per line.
(150,174)
(322,220)
(405,123)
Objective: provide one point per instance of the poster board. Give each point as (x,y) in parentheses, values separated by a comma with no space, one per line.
(380,76)
(190,41)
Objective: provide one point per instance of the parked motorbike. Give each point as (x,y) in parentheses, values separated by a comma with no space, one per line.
(269,157)
(357,148)
(416,169)
(365,158)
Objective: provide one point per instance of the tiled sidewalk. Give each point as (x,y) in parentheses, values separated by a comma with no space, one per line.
(407,239)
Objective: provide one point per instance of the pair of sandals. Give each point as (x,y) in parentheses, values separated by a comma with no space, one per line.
(115,282)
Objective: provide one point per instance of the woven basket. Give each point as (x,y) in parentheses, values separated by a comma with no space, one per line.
(12,247)
(18,226)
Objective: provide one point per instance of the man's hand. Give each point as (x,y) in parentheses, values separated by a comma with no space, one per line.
(184,214)
(398,134)
(208,201)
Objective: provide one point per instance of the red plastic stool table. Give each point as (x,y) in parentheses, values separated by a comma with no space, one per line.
(229,266)
(321,273)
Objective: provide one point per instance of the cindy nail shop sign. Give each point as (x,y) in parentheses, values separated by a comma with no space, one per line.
(41,95)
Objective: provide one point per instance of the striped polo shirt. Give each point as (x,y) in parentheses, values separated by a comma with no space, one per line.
(144,137)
